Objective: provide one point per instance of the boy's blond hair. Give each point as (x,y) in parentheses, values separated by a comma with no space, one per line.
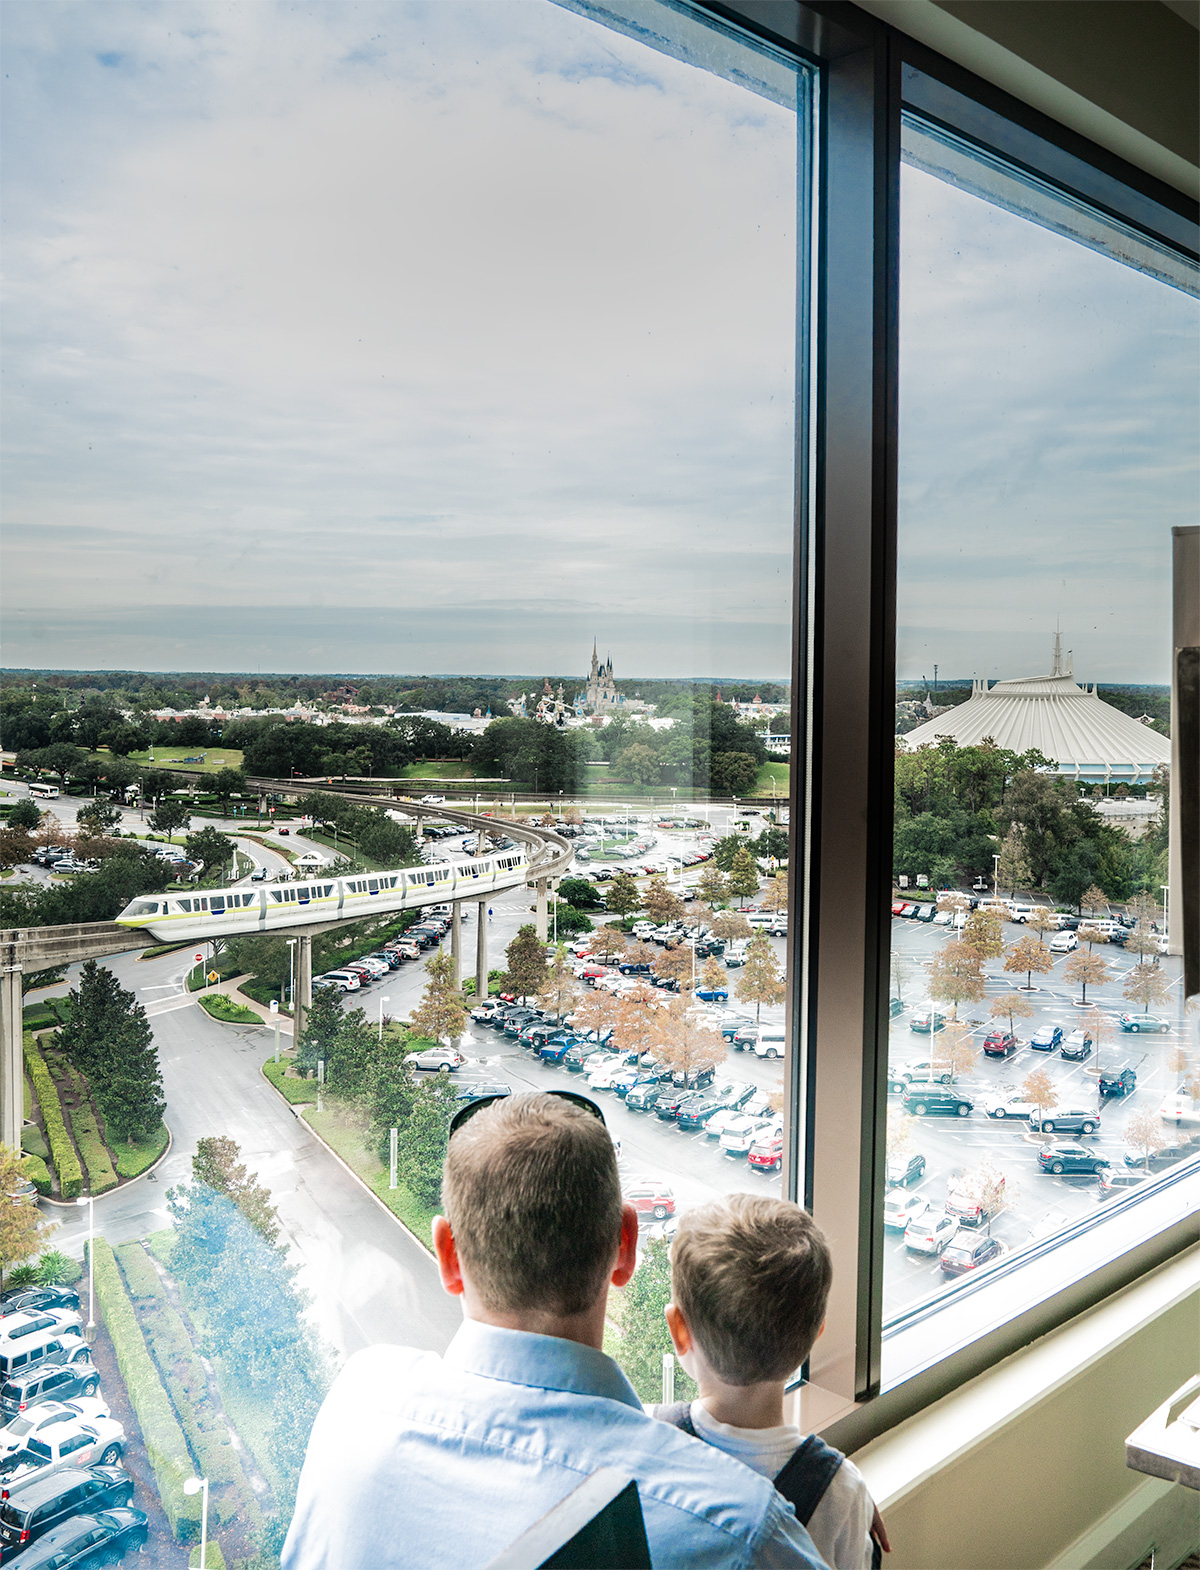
(752,1276)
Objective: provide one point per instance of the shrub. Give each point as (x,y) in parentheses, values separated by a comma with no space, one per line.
(62,1152)
(88,1139)
(224,1008)
(38,1173)
(165,1444)
(58,1270)
(20,1276)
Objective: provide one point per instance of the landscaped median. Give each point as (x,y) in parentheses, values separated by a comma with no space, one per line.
(220,1006)
(62,1152)
(166,1446)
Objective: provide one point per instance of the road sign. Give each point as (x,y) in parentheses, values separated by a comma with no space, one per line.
(199,959)
(212,976)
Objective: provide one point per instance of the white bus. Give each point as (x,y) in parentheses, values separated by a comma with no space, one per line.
(38,789)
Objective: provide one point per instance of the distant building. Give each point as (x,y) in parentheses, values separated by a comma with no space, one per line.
(1084,737)
(601,696)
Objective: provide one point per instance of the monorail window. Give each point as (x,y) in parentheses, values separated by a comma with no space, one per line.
(277,895)
(372,885)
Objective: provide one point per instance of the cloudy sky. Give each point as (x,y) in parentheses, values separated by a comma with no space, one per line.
(445,337)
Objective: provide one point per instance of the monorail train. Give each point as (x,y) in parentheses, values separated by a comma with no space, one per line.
(182,917)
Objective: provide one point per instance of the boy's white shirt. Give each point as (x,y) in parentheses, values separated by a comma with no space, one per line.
(841,1523)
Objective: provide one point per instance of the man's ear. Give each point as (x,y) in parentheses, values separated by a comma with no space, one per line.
(627,1252)
(681,1334)
(447,1257)
(821,1332)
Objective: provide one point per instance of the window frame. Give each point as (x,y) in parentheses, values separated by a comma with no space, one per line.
(843,669)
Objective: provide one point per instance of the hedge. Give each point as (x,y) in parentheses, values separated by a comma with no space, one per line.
(187,1384)
(38,1173)
(165,1444)
(62,1152)
(88,1140)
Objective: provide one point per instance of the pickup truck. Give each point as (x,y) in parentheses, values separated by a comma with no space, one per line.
(95,1441)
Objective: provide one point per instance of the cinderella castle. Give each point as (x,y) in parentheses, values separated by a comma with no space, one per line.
(601,696)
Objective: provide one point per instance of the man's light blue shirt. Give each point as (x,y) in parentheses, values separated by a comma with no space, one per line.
(419,1461)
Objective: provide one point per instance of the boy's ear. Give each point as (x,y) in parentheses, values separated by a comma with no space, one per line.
(681,1335)
(821,1332)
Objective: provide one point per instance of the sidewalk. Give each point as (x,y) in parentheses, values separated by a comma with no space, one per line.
(230,989)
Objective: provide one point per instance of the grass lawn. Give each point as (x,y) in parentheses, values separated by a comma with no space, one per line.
(172,757)
(447,769)
(345,1130)
(780,772)
(135,1158)
(224,1008)
(297,1091)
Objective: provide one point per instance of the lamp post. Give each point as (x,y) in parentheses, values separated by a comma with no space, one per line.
(995,876)
(89,1201)
(1166,894)
(382,1001)
(199,1485)
(291,943)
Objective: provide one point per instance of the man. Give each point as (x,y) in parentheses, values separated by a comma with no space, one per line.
(423,1461)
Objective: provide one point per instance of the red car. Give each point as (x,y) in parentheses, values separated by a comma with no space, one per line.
(768,1154)
(283,831)
(999,1044)
(651,1198)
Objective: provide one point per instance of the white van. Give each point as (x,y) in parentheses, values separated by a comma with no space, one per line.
(28,1339)
(771,1042)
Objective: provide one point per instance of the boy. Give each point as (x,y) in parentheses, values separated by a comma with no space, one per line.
(750,1281)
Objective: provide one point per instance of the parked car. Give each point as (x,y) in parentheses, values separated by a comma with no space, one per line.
(1118,1081)
(341,979)
(1009,1107)
(713,994)
(1067,1120)
(741,1133)
(973,1212)
(733,1025)
(44,1415)
(1180,1109)
(482,1012)
(731,1096)
(35,1508)
(904,1170)
(929,1232)
(908,1073)
(767,1154)
(1063,942)
(963,1254)
(1046,1038)
(999,1044)
(1110,1183)
(27,1339)
(1070,1158)
(439,1060)
(644,1097)
(927,1022)
(475,1090)
(1139,1022)
(60,1377)
(926,1100)
(33,1299)
(901,1208)
(555,1048)
(1077,1046)
(649,1197)
(1186,1149)
(98,1442)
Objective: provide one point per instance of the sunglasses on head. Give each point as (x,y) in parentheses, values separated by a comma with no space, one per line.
(465,1114)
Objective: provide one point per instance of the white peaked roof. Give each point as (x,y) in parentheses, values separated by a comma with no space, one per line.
(1067,723)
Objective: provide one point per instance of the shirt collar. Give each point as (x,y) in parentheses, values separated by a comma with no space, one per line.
(545,1362)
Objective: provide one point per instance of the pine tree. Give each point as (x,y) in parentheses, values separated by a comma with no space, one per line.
(623,895)
(743,874)
(321,1026)
(526,957)
(109,1039)
(98,1003)
(216,1164)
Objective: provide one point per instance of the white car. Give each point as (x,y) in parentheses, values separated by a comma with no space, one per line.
(97,1442)
(929,1232)
(1063,943)
(438,1060)
(601,1078)
(901,1207)
(1180,1108)
(339,978)
(1008,1107)
(45,1415)
(745,1131)
(433,801)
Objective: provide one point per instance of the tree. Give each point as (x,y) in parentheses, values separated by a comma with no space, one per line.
(677,964)
(1040,1090)
(900,973)
(687,1043)
(724,851)
(322,1022)
(760,981)
(440,1015)
(421,1147)
(226,783)
(169,816)
(713,885)
(982,932)
(209,847)
(1146,986)
(25,815)
(776,896)
(743,874)
(1143,940)
(15,847)
(1012,870)
(623,896)
(730,926)
(350,1066)
(1144,1133)
(988,1187)
(21,1229)
(579,893)
(1031,956)
(526,957)
(216,1164)
(1099,1027)
(952,1051)
(560,992)
(1093,899)
(956,975)
(1041,920)
(899,1133)
(1091,935)
(714,974)
(1089,970)
(662,906)
(644,1334)
(109,1039)
(1012,1007)
(610,943)
(98,817)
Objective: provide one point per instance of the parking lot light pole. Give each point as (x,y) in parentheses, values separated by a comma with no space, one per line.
(199,1485)
(89,1201)
(291,943)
